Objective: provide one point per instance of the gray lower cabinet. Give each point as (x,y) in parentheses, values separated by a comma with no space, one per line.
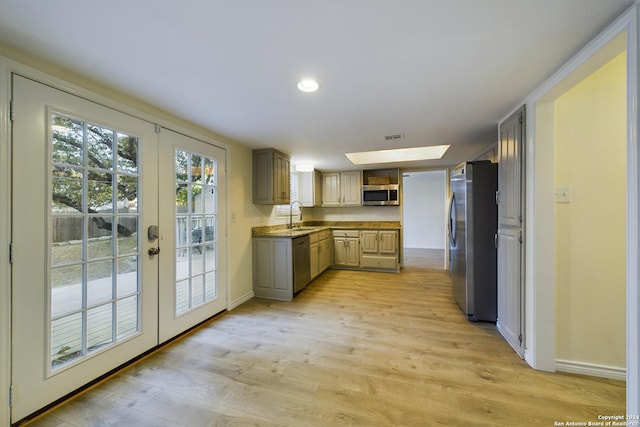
(379,249)
(272,268)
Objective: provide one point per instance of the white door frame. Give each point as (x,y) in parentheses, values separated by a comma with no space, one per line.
(540,351)
(7,67)
(5,267)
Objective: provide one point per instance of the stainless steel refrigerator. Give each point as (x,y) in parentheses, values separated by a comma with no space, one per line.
(473,223)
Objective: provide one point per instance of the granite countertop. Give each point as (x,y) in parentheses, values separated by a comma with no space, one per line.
(315,226)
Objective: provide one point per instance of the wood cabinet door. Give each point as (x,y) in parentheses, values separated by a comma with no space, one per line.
(389,242)
(340,250)
(314,259)
(281,179)
(331,189)
(353,251)
(369,241)
(324,250)
(351,187)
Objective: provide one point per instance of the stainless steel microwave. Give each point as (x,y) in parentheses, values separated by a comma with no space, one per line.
(380,195)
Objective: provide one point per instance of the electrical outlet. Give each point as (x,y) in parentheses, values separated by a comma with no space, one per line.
(563,195)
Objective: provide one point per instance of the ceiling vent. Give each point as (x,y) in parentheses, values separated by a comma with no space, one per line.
(394,137)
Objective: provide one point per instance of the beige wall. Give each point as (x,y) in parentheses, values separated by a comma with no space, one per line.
(591,230)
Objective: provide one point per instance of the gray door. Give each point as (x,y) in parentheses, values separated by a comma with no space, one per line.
(510,224)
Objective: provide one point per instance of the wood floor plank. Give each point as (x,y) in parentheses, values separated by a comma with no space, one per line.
(354,348)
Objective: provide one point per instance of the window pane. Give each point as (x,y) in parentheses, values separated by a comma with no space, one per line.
(196,205)
(66,339)
(182,235)
(127,235)
(210,285)
(127,194)
(197,261)
(127,317)
(182,263)
(210,257)
(196,168)
(210,235)
(99,282)
(66,239)
(127,279)
(209,200)
(182,160)
(127,153)
(66,185)
(100,242)
(197,291)
(100,147)
(182,198)
(66,140)
(66,290)
(182,296)
(100,192)
(99,327)
(209,171)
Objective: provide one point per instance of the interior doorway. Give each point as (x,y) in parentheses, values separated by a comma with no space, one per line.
(424,216)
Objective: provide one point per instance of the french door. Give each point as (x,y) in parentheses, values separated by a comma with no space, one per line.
(192,228)
(89,240)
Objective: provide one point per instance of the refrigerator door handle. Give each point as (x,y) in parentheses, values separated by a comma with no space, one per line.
(451,225)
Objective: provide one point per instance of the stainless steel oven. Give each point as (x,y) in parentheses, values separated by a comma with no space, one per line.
(380,195)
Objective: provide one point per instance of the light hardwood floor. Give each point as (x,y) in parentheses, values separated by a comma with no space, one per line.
(354,348)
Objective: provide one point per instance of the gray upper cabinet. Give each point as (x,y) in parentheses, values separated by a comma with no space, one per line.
(271,180)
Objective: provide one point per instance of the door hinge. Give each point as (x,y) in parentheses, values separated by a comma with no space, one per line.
(497,197)
(11,393)
(158,128)
(520,238)
(520,338)
(496,240)
(11,110)
(11,253)
(521,120)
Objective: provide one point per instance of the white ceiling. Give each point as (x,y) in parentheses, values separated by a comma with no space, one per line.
(438,71)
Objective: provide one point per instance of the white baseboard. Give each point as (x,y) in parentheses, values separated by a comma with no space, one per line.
(238,302)
(591,370)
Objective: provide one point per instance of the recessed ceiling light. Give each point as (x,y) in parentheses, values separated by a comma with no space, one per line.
(398,155)
(308,85)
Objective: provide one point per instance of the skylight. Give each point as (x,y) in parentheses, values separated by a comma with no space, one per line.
(398,155)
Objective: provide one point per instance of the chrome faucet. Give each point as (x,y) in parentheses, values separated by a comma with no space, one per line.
(291,212)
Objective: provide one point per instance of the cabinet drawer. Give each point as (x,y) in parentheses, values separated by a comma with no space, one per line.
(313,238)
(325,234)
(346,233)
(378,261)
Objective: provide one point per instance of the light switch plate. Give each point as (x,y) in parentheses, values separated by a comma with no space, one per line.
(563,195)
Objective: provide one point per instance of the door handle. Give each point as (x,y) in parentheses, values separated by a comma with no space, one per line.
(153,251)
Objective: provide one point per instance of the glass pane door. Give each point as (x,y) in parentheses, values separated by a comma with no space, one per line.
(192,286)
(84,291)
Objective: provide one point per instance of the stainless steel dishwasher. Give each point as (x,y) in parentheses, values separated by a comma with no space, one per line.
(301,263)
